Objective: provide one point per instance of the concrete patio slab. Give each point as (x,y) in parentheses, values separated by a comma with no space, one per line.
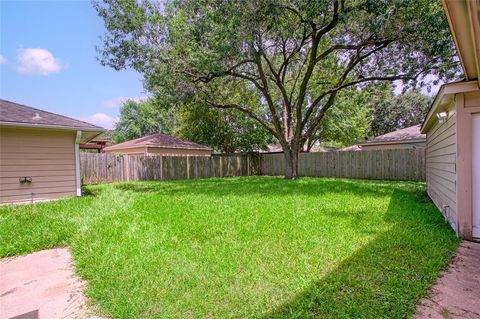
(457,292)
(41,285)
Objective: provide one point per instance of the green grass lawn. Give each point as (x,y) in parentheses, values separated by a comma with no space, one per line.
(253,247)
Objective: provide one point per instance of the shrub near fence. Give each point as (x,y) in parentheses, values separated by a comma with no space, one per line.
(101,168)
(399,164)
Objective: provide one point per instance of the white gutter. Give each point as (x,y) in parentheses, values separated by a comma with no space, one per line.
(77,163)
(60,127)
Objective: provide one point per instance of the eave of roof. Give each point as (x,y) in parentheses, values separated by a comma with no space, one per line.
(464,20)
(444,98)
(58,127)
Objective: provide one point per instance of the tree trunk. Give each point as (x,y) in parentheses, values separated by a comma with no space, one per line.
(291,162)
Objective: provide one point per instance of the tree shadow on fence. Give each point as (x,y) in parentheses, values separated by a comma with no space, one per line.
(387,277)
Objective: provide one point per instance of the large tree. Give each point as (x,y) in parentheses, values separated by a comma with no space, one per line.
(295,55)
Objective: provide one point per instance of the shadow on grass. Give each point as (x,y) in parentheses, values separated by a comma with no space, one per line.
(266,186)
(386,278)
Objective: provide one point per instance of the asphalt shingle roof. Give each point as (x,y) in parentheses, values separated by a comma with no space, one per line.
(406,134)
(15,113)
(159,140)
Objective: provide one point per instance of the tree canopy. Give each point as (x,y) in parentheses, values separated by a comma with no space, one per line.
(395,112)
(282,63)
(142,118)
(348,122)
(226,131)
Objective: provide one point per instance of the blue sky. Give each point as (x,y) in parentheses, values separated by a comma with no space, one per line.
(48,61)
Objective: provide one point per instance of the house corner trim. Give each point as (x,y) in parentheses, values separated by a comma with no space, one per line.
(77,163)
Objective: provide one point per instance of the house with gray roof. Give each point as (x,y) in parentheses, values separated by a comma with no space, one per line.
(409,137)
(39,153)
(159,144)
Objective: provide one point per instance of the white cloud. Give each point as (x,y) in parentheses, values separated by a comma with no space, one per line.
(101,119)
(37,61)
(119,100)
(2,59)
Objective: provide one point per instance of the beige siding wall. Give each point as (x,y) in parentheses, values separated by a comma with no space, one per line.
(47,156)
(177,152)
(392,146)
(441,167)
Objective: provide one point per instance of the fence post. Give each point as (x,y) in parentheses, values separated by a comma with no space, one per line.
(127,167)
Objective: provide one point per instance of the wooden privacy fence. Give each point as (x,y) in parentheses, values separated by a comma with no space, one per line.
(400,164)
(101,168)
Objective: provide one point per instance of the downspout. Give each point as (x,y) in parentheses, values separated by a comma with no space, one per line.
(77,163)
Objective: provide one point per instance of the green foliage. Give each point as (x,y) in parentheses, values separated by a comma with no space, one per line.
(142,118)
(255,247)
(347,122)
(399,111)
(372,111)
(226,131)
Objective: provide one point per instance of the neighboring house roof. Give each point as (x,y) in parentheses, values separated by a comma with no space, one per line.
(105,137)
(273,148)
(351,148)
(319,148)
(159,140)
(21,115)
(406,135)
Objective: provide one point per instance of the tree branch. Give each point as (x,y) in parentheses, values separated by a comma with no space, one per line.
(311,64)
(332,22)
(266,94)
(244,110)
(322,112)
(357,58)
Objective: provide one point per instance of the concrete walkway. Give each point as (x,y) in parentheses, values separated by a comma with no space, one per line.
(41,285)
(457,292)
